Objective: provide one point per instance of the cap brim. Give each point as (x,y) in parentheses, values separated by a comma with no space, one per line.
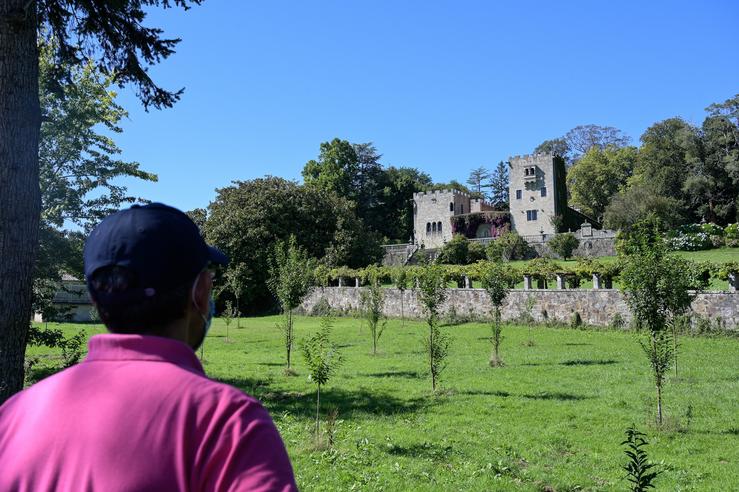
(217,256)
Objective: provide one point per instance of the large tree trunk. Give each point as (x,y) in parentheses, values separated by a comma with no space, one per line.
(20,199)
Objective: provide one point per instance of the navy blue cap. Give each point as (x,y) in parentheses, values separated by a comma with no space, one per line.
(158,243)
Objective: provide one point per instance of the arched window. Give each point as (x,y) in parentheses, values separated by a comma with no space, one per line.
(451,206)
(438,228)
(428,228)
(433,227)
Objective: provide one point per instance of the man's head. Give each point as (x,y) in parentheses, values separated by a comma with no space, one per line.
(147,270)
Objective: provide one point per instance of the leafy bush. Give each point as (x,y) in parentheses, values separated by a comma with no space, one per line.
(732,231)
(712,229)
(564,244)
(475,252)
(454,252)
(693,237)
(321,308)
(509,246)
(640,472)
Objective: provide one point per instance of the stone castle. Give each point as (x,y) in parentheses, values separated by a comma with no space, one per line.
(537,206)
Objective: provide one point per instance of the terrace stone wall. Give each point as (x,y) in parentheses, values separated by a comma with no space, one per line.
(596,307)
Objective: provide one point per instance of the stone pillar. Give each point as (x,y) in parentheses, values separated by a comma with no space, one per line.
(733,281)
(596,281)
(356,282)
(418,285)
(561,281)
(467,283)
(527,282)
(341,282)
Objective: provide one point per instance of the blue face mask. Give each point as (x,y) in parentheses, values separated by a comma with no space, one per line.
(206,319)
(211,313)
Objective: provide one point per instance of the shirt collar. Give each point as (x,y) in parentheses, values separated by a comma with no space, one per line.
(116,347)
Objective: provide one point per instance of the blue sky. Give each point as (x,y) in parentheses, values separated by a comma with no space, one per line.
(442,86)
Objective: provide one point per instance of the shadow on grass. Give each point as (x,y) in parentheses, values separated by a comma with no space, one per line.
(544,395)
(588,362)
(271,364)
(423,450)
(395,374)
(502,394)
(555,395)
(304,403)
(576,344)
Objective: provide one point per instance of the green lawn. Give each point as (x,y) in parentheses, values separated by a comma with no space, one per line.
(551,419)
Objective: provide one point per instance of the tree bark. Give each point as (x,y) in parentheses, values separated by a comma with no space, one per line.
(20,198)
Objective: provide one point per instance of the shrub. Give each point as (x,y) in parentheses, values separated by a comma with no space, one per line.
(617,322)
(509,246)
(475,252)
(454,252)
(731,231)
(321,308)
(564,244)
(693,237)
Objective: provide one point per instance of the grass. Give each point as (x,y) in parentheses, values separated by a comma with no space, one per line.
(551,419)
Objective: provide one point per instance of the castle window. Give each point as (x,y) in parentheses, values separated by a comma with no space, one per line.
(428,228)
(451,206)
(461,208)
(433,227)
(531,215)
(518,194)
(439,228)
(543,191)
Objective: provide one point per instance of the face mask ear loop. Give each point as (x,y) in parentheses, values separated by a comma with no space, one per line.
(192,297)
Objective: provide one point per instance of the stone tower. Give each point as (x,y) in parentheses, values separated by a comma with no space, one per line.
(537,193)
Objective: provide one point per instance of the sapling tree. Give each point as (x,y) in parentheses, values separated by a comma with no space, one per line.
(323,358)
(496,282)
(373,302)
(228,315)
(236,278)
(658,287)
(290,278)
(432,294)
(400,278)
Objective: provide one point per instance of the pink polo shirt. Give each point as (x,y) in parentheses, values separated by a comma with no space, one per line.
(139,414)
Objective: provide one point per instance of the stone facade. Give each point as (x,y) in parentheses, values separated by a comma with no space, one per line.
(532,194)
(597,307)
(432,212)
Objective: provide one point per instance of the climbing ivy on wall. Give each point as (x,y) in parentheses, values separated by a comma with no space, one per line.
(467,224)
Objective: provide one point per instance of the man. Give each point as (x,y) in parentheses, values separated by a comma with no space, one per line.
(139,413)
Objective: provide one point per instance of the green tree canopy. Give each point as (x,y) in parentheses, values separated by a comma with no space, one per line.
(248,217)
(597,176)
